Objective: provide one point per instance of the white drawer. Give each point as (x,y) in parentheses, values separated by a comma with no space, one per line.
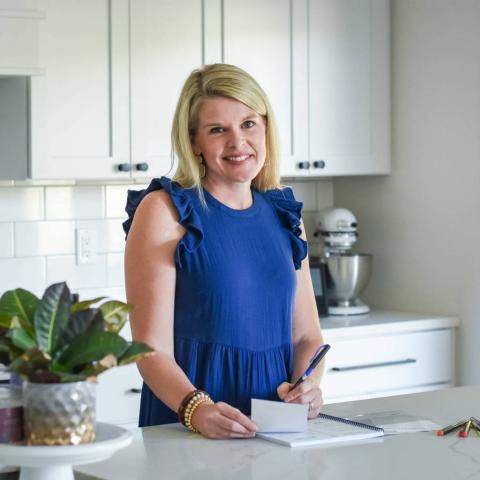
(116,402)
(391,362)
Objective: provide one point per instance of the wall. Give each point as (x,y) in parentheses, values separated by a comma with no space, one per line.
(422,223)
(37,234)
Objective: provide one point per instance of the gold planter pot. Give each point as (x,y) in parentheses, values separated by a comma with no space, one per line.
(59,413)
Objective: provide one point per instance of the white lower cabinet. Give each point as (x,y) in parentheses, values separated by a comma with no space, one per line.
(376,355)
(390,364)
(118,395)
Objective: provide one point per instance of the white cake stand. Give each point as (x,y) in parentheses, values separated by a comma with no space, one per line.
(55,463)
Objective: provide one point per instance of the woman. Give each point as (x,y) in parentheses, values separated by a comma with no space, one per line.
(216,267)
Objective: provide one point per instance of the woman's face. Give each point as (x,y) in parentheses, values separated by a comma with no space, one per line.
(231,138)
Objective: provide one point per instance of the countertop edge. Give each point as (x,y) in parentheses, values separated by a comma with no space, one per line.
(344,327)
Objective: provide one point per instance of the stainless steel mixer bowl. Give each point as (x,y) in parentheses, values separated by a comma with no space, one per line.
(348,274)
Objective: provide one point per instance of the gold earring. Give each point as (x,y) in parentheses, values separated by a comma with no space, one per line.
(201,165)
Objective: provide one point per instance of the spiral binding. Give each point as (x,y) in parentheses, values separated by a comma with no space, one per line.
(350,422)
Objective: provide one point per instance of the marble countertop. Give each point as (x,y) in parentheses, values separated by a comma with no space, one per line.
(171,452)
(383,322)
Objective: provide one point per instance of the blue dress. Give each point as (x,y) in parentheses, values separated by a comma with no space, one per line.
(234,295)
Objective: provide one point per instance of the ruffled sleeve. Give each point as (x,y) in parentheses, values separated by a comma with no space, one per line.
(188,217)
(290,214)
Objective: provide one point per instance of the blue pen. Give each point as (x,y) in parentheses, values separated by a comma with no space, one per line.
(318,355)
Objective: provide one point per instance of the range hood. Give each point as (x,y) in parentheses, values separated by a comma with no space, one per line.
(20,23)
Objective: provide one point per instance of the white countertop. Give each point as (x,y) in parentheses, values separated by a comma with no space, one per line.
(172,453)
(380,322)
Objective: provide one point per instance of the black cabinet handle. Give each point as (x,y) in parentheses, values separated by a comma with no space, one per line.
(373,365)
(134,390)
(303,165)
(142,167)
(319,164)
(124,167)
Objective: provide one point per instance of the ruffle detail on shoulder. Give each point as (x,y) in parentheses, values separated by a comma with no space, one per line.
(188,217)
(290,212)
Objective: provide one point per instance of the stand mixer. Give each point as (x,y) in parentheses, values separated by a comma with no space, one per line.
(347,273)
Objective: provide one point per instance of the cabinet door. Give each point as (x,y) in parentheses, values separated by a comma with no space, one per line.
(19,25)
(118,395)
(79,109)
(349,86)
(259,37)
(166,45)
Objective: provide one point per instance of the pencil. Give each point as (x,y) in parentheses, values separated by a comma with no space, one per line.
(451,428)
(464,432)
(476,426)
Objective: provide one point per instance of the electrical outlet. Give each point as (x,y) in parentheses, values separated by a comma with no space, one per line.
(86,240)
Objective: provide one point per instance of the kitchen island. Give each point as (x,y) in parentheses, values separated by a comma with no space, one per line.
(170,452)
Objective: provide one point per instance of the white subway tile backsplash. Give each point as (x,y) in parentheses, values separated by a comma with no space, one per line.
(115,271)
(324,194)
(44,238)
(110,234)
(64,203)
(305,192)
(17,204)
(6,240)
(37,233)
(77,276)
(310,225)
(28,273)
(116,199)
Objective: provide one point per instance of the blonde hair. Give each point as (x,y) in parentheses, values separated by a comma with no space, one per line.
(220,79)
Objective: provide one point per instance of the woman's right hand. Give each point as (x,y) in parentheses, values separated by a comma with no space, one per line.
(220,421)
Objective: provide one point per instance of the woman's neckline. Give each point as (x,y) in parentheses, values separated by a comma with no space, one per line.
(242,212)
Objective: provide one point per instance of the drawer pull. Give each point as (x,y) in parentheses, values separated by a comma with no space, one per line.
(134,390)
(374,365)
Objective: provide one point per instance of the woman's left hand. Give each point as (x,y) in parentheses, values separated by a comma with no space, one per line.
(307,392)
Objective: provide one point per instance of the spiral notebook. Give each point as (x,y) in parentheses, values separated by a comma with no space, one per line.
(326,430)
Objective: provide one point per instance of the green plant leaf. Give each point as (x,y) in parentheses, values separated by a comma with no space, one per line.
(6,320)
(134,351)
(21,339)
(85,304)
(29,362)
(20,303)
(71,377)
(91,347)
(51,316)
(96,368)
(6,346)
(82,320)
(115,314)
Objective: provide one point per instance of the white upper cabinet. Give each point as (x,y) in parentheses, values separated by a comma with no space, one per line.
(325,66)
(166,45)
(257,38)
(114,70)
(79,109)
(19,34)
(349,98)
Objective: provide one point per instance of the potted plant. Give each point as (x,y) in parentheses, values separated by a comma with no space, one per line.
(58,346)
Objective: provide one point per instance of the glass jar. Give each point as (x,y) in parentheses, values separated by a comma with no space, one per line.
(11,415)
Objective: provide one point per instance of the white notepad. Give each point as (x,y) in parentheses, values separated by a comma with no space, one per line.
(325,430)
(275,417)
